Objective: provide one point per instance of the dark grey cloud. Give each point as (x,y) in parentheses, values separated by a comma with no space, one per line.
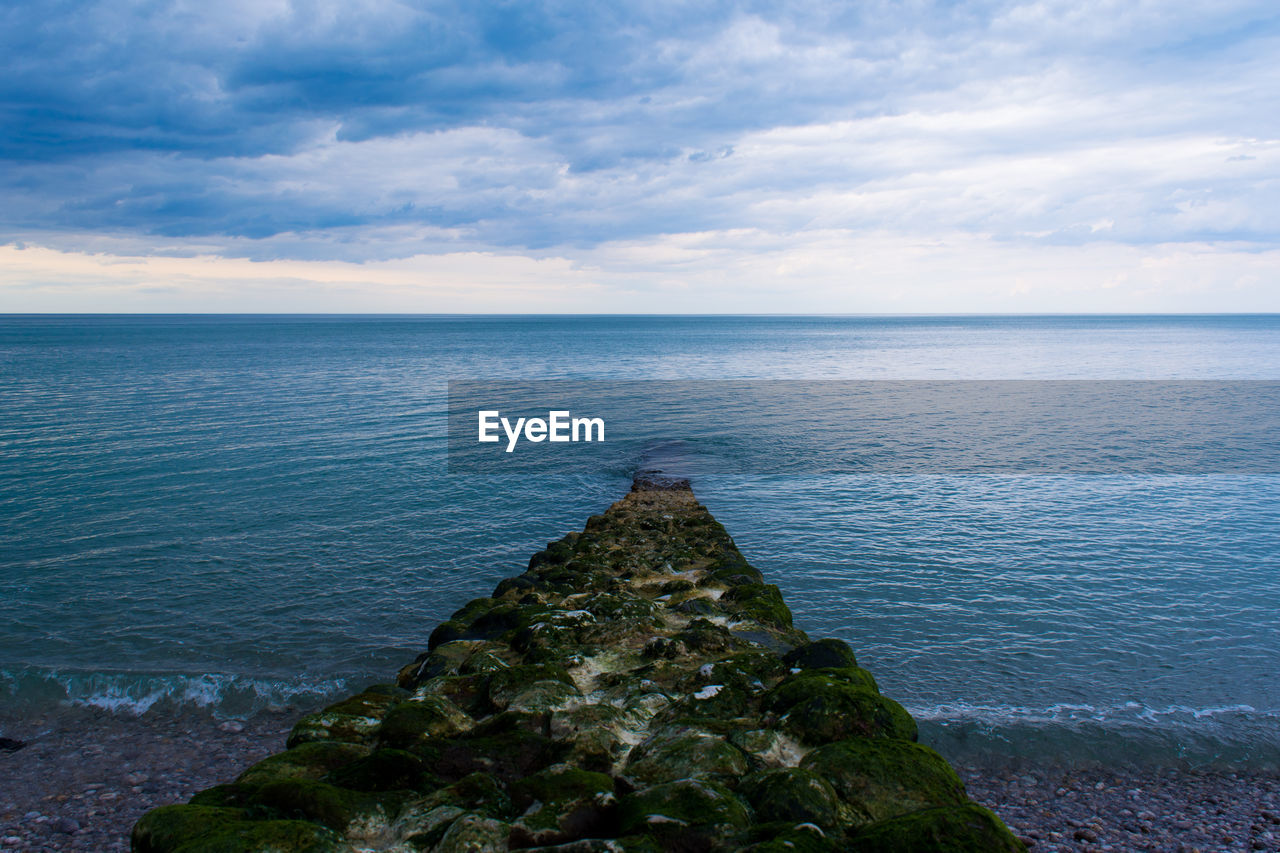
(541,124)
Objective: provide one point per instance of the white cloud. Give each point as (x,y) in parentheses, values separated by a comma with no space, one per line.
(747,271)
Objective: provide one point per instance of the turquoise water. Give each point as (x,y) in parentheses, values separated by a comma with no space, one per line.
(235,511)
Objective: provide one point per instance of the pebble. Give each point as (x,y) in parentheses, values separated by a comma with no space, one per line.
(85,777)
(234,727)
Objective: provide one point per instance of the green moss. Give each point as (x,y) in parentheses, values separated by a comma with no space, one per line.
(705,637)
(353,720)
(789,837)
(544,697)
(710,702)
(761,602)
(410,723)
(792,794)
(967,828)
(447,631)
(467,692)
(384,770)
(305,761)
(471,834)
(509,683)
(164,829)
(748,667)
(559,784)
(821,654)
(267,836)
(561,803)
(468,612)
(508,755)
(234,795)
(678,752)
(683,809)
(820,706)
(478,793)
(320,802)
(481,662)
(878,778)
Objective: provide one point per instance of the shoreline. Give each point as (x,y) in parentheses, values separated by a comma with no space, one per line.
(102,771)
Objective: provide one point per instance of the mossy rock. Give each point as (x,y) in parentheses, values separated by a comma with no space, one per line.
(545,697)
(698,606)
(788,837)
(478,793)
(422,823)
(306,761)
(821,654)
(443,659)
(710,702)
(203,829)
(685,810)
(320,802)
(410,723)
(517,586)
(447,631)
(605,605)
(481,661)
(761,602)
(967,828)
(467,692)
(505,685)
(166,828)
(507,754)
(385,770)
(792,794)
(471,834)
(819,708)
(353,720)
(677,752)
(706,637)
(879,778)
(767,748)
(747,667)
(562,803)
(469,612)
(503,618)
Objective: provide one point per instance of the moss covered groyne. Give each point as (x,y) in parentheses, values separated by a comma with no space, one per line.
(639,688)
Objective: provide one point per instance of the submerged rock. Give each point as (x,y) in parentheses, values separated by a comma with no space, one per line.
(640,687)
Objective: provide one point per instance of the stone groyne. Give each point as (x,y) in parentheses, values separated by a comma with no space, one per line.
(639,688)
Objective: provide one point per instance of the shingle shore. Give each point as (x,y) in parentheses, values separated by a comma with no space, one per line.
(639,688)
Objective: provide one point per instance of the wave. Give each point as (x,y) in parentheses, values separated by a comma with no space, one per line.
(1129,733)
(29,691)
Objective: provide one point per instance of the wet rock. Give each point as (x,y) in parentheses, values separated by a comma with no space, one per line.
(638,688)
(821,654)
(469,834)
(955,829)
(879,778)
(353,720)
(676,753)
(409,724)
(794,795)
(562,803)
(690,810)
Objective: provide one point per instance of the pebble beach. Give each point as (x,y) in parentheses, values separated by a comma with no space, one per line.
(83,778)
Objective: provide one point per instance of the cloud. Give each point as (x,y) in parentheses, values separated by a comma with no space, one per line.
(745,271)
(374,131)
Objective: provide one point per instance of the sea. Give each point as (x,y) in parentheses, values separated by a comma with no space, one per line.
(235,512)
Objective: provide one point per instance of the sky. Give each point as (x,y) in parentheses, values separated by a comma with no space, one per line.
(657,157)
